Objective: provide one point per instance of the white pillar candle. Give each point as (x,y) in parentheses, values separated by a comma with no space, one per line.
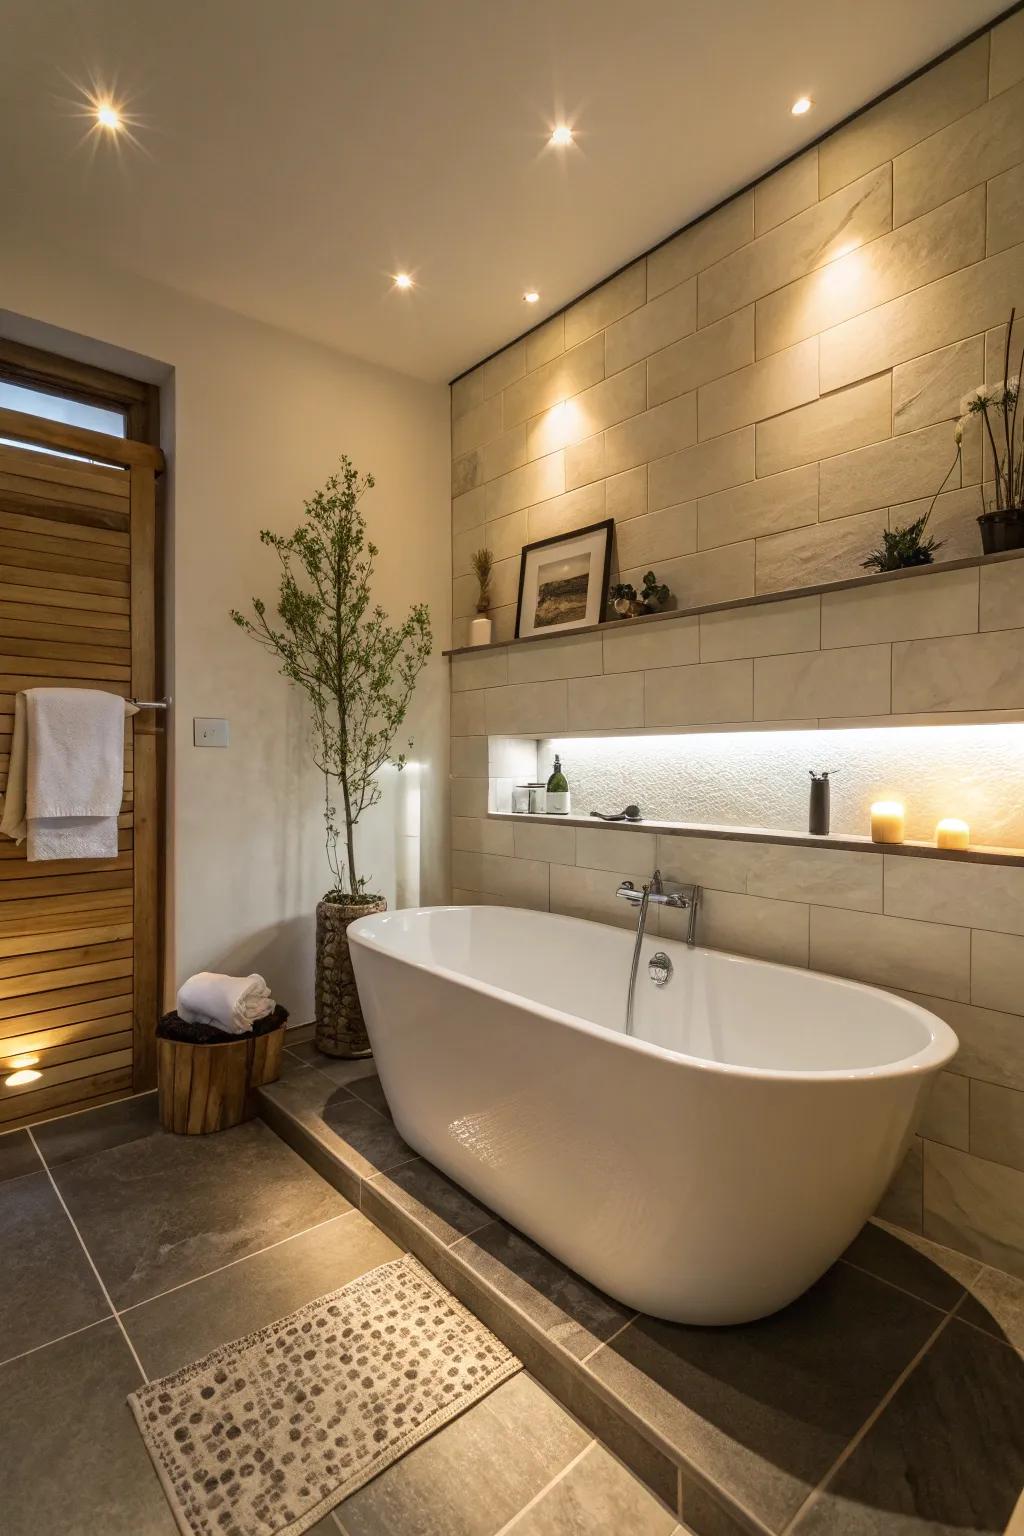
(951,833)
(887,822)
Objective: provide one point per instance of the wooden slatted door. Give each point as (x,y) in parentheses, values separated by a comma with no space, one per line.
(79,944)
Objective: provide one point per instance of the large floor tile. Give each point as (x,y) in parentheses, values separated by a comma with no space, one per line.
(945,1457)
(73,1460)
(763,1410)
(371,1136)
(937,1275)
(183,1325)
(996,1304)
(596,1494)
(98,1130)
(421,1191)
(340,1069)
(17,1155)
(46,1285)
(157,1212)
(475,1474)
(370,1091)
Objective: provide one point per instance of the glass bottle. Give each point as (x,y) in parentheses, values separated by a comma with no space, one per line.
(558,791)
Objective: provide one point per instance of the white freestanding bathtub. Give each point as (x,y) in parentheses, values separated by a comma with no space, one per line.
(707,1170)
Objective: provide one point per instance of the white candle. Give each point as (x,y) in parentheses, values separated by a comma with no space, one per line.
(887,822)
(952,833)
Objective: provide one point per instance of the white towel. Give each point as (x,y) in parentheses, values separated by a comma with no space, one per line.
(66,774)
(230,1002)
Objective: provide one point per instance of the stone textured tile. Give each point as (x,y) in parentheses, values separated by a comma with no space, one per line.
(466,473)
(546,342)
(997,1124)
(773,504)
(502,453)
(997,971)
(1002,595)
(584,462)
(766,629)
(504,589)
(807,556)
(987,141)
(476,426)
(487,670)
(626,493)
(612,848)
(939,242)
(710,576)
(763,1410)
(597,1494)
(98,1130)
(853,681)
(17,1154)
(467,392)
(750,925)
(716,692)
(657,432)
(469,757)
(590,893)
(504,369)
(835,424)
(657,536)
(526,879)
(847,218)
(339,1069)
(710,862)
(996,1305)
(991,1042)
(703,469)
(702,245)
(903,1201)
(561,656)
(960,672)
(526,708)
(953,521)
(641,647)
(1005,224)
(468,510)
(1006,64)
(469,797)
(371,1142)
(477,834)
(945,603)
(989,896)
(824,876)
(563,514)
(946,1454)
(536,481)
(913,113)
(767,388)
(424,1195)
(945,1116)
(606,304)
(896,470)
(603,405)
(505,536)
(555,844)
(566,375)
(606,703)
(786,192)
(656,324)
(45,1278)
(707,354)
(974,1205)
(932,1273)
(892,951)
(929,389)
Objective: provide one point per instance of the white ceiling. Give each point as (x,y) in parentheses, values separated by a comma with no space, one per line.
(293,153)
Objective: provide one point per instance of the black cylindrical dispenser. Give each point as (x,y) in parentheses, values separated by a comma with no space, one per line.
(818,820)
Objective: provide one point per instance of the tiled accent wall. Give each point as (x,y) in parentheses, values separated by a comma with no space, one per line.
(755,400)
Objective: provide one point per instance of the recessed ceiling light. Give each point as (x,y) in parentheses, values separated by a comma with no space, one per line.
(403,280)
(561,136)
(108,116)
(531,296)
(18,1079)
(801,105)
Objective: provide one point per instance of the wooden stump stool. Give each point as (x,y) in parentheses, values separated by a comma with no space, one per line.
(205,1088)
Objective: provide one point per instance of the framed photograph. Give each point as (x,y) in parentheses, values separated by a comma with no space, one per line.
(563,582)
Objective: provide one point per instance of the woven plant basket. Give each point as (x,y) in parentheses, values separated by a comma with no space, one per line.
(340,1030)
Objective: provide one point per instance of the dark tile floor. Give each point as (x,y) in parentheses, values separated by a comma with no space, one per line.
(887,1401)
(126,1253)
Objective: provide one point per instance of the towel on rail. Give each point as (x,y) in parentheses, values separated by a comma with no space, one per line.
(230,1002)
(65,782)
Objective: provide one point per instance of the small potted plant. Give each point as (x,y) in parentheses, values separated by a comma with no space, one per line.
(653,594)
(627,603)
(481,627)
(1002,524)
(902,547)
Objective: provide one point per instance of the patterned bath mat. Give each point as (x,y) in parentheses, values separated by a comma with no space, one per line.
(264,1436)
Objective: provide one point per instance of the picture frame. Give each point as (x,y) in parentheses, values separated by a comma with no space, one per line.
(563,581)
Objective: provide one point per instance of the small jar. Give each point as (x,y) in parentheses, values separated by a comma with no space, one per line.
(520,799)
(538,799)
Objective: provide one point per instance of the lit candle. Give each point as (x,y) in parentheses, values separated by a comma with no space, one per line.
(887,822)
(951,833)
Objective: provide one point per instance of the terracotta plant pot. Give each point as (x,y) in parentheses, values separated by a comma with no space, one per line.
(340,1030)
(1001,530)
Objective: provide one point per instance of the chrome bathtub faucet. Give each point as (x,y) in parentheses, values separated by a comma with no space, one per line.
(683,898)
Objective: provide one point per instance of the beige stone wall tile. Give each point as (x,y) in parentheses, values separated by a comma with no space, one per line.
(467,392)
(523,487)
(772,504)
(767,629)
(834,226)
(563,514)
(469,797)
(626,494)
(503,621)
(991,1043)
(463,545)
(642,647)
(561,656)
(469,757)
(524,879)
(604,404)
(1002,595)
(546,342)
(657,536)
(707,354)
(1005,221)
(617,848)
(524,709)
(837,423)
(997,1124)
(712,693)
(988,896)
(929,389)
(768,388)
(652,435)
(713,863)
(703,469)
(786,192)
(826,877)
(748,925)
(975,148)
(467,710)
(477,426)
(503,369)
(892,951)
(606,703)
(962,672)
(942,241)
(555,844)
(963,304)
(700,246)
(468,510)
(997,971)
(657,323)
(467,472)
(606,304)
(852,681)
(913,113)
(479,834)
(897,470)
(975,1206)
(809,556)
(558,380)
(1006,64)
(506,536)
(953,521)
(590,893)
(503,453)
(584,462)
(943,603)
(487,670)
(945,1116)
(711,576)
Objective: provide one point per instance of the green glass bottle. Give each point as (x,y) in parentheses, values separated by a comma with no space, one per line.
(558,791)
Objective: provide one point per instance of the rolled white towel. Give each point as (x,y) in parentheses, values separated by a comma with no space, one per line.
(232,1003)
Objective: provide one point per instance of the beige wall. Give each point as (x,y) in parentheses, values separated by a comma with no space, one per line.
(259,418)
(755,400)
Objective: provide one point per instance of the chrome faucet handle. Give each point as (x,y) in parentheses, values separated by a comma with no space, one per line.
(628,891)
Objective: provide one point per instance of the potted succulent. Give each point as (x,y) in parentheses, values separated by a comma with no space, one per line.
(1002,525)
(358,673)
(480,627)
(904,546)
(627,603)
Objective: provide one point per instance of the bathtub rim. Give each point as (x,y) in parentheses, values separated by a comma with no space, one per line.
(938,1051)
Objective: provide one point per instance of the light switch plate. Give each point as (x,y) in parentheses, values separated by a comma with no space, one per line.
(209,733)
